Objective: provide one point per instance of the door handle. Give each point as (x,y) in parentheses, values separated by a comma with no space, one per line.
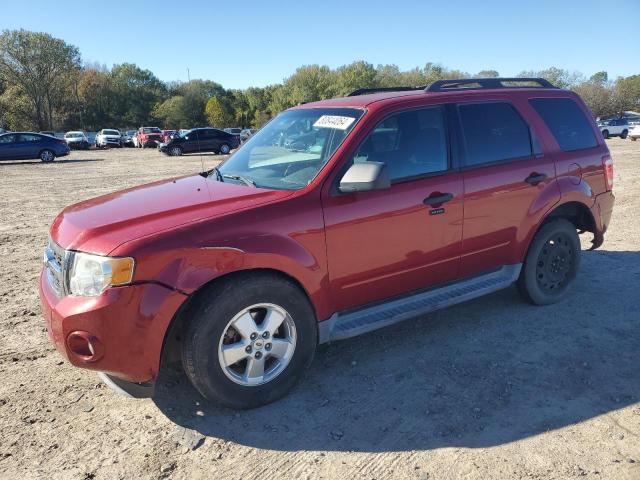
(438,199)
(535,178)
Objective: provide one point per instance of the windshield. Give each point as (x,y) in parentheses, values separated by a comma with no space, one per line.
(131,132)
(291,149)
(184,133)
(110,132)
(151,130)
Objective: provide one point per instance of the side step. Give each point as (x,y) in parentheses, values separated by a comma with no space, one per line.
(353,323)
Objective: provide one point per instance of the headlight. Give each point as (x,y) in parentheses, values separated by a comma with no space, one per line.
(90,275)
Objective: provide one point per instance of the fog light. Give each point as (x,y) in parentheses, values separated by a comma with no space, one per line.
(85,346)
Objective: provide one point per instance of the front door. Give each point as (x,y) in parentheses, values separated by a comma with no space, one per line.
(390,242)
(7,146)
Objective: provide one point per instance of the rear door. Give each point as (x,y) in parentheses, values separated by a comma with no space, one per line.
(29,145)
(508,183)
(390,242)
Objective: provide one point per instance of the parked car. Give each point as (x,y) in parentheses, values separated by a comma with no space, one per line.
(168,134)
(634,132)
(404,202)
(108,137)
(234,131)
(247,133)
(149,137)
(201,140)
(76,140)
(127,138)
(29,145)
(616,127)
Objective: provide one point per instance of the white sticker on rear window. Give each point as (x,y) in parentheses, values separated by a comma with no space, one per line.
(334,121)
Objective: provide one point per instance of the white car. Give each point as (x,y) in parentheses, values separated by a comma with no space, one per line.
(76,139)
(108,138)
(634,132)
(616,127)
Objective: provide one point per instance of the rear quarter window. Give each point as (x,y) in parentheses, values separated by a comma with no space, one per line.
(567,122)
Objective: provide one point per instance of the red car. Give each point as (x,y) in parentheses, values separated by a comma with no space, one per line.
(149,137)
(337,218)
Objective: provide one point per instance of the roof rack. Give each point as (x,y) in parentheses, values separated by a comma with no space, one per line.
(479,83)
(365,91)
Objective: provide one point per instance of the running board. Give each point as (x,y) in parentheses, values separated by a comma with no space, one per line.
(353,323)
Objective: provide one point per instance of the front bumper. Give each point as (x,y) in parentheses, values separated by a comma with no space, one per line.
(120,332)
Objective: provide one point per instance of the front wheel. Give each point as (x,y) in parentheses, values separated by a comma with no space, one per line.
(624,134)
(47,156)
(249,341)
(175,151)
(551,264)
(605,133)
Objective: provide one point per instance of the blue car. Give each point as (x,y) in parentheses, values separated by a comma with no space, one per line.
(28,145)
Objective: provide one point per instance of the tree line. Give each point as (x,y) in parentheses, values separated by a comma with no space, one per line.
(45,85)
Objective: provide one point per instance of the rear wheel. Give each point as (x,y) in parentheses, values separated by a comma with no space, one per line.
(225,149)
(551,264)
(624,134)
(249,341)
(47,156)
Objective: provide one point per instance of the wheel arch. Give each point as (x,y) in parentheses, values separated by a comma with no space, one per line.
(172,343)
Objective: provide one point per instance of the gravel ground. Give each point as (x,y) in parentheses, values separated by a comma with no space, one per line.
(493,388)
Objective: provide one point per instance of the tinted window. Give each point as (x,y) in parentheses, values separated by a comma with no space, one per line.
(29,137)
(6,139)
(410,143)
(493,132)
(567,122)
(205,134)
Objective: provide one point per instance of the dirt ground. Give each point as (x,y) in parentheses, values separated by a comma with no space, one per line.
(493,388)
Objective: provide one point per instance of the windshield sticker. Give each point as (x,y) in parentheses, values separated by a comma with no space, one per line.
(334,121)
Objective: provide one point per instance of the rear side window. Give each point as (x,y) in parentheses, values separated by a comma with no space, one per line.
(567,122)
(493,132)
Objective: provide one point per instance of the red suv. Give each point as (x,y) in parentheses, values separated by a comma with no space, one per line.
(337,218)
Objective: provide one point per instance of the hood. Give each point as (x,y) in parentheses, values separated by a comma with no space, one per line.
(101,224)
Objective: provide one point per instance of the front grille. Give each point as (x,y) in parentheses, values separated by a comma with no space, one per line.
(56,261)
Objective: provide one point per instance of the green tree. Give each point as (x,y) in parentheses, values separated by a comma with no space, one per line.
(487,74)
(600,78)
(173,112)
(218,113)
(354,76)
(41,66)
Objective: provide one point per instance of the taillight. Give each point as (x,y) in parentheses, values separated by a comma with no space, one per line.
(62,142)
(607,164)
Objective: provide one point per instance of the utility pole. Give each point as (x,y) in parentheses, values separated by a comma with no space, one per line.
(188,75)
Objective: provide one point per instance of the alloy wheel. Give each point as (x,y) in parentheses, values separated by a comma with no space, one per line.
(257,344)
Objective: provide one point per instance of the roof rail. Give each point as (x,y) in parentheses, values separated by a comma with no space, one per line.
(479,83)
(365,91)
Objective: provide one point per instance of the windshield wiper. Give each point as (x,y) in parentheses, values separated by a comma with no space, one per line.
(217,173)
(240,178)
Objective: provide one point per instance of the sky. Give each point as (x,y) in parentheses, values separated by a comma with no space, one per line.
(257,43)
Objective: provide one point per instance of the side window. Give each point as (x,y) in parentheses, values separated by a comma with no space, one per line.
(27,137)
(4,139)
(410,143)
(567,122)
(493,132)
(205,134)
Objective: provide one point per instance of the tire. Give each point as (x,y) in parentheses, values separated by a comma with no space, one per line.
(47,156)
(633,139)
(552,262)
(624,134)
(605,133)
(224,149)
(211,323)
(175,151)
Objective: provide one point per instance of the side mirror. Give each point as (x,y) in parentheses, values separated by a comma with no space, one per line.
(365,176)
